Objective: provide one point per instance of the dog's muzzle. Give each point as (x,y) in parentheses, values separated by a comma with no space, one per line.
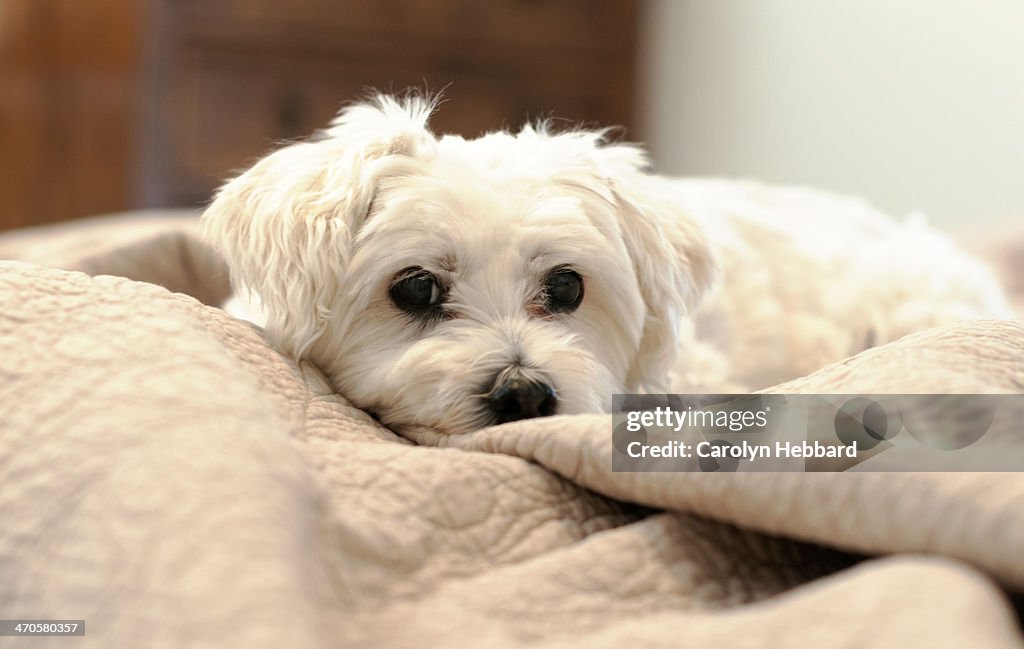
(521,393)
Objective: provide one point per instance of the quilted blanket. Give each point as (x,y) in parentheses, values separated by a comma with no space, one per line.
(171,479)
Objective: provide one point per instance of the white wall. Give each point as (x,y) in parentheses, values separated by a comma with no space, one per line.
(915,104)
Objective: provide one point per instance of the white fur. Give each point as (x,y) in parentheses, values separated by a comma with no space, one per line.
(689,284)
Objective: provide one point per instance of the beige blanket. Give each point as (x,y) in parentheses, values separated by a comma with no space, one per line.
(171,479)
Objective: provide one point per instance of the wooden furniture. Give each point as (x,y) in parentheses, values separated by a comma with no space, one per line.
(171,96)
(69,87)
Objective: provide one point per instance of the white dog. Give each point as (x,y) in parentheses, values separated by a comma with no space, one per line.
(457,283)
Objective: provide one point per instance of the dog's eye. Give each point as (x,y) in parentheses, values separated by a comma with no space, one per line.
(564,290)
(416,290)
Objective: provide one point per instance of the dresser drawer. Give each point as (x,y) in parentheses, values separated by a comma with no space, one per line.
(589,26)
(230,109)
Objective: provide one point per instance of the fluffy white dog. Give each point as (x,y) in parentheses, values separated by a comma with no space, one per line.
(457,283)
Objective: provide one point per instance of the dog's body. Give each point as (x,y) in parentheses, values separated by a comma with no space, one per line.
(808,278)
(458,283)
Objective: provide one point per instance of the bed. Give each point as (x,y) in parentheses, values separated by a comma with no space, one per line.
(174,481)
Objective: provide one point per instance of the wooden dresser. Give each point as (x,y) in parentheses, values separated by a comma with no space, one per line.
(200,88)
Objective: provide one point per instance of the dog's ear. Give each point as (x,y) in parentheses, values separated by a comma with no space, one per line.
(286,225)
(672,260)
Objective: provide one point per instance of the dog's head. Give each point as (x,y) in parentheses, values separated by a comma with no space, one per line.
(457,283)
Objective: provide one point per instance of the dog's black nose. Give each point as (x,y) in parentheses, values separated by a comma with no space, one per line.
(519,393)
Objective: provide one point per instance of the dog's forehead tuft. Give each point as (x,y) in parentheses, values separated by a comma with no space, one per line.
(528,154)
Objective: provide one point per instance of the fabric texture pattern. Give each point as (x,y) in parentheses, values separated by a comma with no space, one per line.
(173,480)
